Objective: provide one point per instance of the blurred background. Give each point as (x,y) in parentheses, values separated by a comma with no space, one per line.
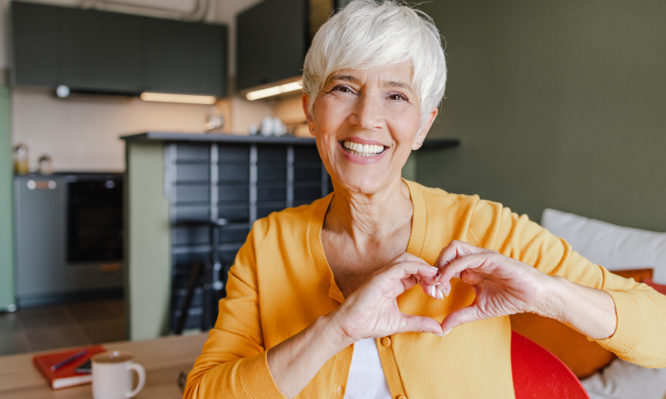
(550,104)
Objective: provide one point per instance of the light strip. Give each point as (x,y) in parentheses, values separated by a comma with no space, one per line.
(274,90)
(177,98)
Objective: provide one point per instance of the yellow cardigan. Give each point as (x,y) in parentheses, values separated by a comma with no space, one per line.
(281,282)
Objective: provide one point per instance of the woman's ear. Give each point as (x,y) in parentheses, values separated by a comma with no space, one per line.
(423,131)
(305,102)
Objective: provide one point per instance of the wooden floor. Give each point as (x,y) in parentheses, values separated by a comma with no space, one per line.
(56,326)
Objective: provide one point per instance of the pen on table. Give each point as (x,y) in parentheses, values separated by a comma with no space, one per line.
(69,360)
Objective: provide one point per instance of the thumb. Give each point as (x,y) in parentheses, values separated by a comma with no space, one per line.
(410,323)
(459,317)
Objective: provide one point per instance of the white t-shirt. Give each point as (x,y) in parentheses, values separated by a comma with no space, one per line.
(366,377)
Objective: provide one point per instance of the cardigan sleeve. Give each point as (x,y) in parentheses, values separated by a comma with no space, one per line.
(640,310)
(233,362)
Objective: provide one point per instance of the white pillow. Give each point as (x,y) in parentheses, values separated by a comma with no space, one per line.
(614,247)
(624,380)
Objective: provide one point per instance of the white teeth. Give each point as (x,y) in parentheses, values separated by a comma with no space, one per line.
(364,150)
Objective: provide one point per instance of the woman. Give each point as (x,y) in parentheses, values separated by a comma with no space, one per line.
(387,288)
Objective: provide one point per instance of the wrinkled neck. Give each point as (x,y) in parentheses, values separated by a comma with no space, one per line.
(370,217)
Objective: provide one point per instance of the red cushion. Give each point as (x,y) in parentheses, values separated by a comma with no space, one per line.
(537,373)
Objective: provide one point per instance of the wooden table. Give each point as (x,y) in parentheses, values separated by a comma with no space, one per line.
(163,359)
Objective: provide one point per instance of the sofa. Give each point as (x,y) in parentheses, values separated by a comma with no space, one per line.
(630,252)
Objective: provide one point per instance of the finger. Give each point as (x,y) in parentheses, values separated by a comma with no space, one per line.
(459,317)
(410,281)
(454,250)
(435,290)
(423,276)
(454,268)
(410,323)
(408,268)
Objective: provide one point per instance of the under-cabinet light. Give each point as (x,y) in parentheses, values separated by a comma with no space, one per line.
(178,98)
(274,90)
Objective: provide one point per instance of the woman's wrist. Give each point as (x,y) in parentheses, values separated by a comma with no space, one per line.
(552,303)
(295,361)
(588,310)
(334,331)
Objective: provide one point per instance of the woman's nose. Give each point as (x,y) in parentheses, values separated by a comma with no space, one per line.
(368,113)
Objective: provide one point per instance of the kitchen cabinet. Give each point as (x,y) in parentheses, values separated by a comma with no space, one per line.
(271,42)
(35,44)
(100,51)
(64,231)
(108,52)
(274,35)
(184,57)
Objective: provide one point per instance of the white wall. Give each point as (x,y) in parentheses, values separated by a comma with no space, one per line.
(81,133)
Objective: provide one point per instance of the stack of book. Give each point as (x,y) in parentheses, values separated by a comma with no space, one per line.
(68,367)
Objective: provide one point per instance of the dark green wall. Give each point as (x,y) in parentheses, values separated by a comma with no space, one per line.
(558,104)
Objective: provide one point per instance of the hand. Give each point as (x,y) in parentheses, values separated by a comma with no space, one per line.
(372,310)
(503,285)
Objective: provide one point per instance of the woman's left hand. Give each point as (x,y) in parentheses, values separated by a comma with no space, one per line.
(503,285)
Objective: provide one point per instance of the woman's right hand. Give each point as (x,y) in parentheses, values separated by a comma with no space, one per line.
(372,310)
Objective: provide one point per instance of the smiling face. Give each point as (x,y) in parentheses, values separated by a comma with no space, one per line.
(366,123)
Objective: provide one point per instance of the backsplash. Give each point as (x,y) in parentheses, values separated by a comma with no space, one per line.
(82,133)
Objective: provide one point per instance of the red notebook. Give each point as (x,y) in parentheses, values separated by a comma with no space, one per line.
(66,375)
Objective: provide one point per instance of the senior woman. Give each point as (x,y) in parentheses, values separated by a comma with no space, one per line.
(385,287)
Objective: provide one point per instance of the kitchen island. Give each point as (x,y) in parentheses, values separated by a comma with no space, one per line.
(190,199)
(177,186)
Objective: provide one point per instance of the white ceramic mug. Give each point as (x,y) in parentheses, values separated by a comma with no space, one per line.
(112,374)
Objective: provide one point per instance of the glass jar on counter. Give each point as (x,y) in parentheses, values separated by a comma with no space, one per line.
(45,165)
(21,165)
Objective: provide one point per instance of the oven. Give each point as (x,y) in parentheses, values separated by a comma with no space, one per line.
(94,218)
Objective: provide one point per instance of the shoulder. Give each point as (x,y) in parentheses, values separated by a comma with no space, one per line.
(472,217)
(438,198)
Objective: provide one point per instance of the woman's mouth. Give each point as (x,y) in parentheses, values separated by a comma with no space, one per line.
(362,150)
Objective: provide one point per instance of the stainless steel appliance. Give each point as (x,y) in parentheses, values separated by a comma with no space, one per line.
(68,236)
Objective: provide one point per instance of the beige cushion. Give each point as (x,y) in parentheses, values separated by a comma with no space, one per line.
(609,245)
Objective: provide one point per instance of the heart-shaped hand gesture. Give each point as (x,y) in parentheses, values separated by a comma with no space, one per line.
(503,286)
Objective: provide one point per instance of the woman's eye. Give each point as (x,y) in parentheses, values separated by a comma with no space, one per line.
(397,97)
(343,89)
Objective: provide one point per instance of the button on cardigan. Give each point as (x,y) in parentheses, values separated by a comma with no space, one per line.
(280,283)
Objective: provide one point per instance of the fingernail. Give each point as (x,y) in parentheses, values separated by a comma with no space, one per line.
(440,292)
(432,291)
(446,332)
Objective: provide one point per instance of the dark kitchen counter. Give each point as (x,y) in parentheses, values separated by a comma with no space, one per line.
(232,138)
(216,138)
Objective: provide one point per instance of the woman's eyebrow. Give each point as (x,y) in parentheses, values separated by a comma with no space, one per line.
(397,84)
(353,79)
(348,78)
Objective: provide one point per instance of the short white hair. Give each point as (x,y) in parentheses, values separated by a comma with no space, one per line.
(368,34)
